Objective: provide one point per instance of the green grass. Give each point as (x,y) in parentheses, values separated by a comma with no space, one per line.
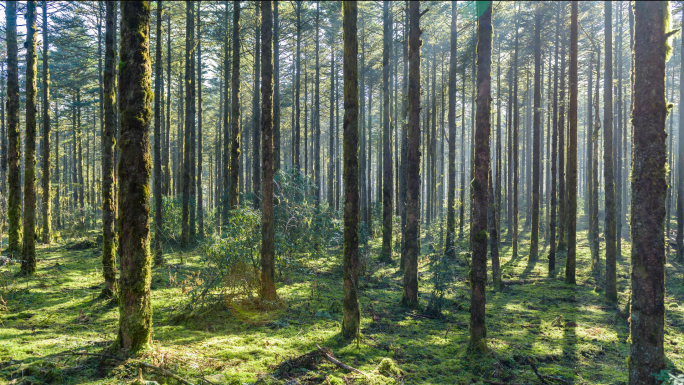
(58,311)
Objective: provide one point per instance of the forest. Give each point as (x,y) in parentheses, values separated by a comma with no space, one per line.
(341,192)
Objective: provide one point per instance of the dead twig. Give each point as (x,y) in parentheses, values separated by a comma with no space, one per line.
(338,363)
(534,368)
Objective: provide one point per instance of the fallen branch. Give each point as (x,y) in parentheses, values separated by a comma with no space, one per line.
(137,362)
(534,368)
(337,362)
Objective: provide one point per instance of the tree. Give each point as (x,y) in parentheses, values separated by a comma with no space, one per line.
(276,88)
(256,120)
(235,110)
(680,171)
(450,246)
(158,89)
(199,199)
(28,261)
(410,295)
(571,215)
(108,198)
(608,171)
(649,187)
(47,180)
(554,156)
(480,185)
(317,112)
(298,70)
(388,177)
(135,96)
(14,147)
(268,290)
(189,120)
(536,141)
(351,317)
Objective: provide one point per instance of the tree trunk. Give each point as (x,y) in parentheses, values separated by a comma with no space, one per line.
(536,140)
(404,139)
(158,89)
(478,229)
(388,177)
(317,116)
(611,242)
(649,187)
(256,120)
(571,215)
(199,198)
(108,198)
(227,185)
(298,127)
(562,243)
(28,261)
(47,185)
(189,121)
(276,88)
(135,310)
(235,110)
(516,164)
(331,149)
(167,151)
(554,155)
(410,294)
(450,246)
(14,148)
(268,290)
(680,169)
(595,171)
(351,318)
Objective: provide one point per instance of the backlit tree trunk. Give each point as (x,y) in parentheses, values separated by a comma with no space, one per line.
(14,147)
(158,89)
(608,170)
(571,215)
(235,110)
(536,145)
(47,179)
(351,317)
(135,96)
(451,192)
(189,121)
(649,187)
(388,185)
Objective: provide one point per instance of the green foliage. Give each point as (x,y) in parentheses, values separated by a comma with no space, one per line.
(670,379)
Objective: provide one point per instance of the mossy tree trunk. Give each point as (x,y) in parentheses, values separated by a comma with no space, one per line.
(480,185)
(649,188)
(450,245)
(14,147)
(351,317)
(28,260)
(256,118)
(608,170)
(571,215)
(276,87)
(268,290)
(387,172)
(235,111)
(135,96)
(158,89)
(680,171)
(410,294)
(47,202)
(189,120)
(108,198)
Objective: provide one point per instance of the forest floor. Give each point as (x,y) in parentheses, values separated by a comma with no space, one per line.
(568,331)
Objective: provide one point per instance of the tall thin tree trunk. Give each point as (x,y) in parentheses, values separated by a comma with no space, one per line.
(351,317)
(331,148)
(516,165)
(536,145)
(256,120)
(108,197)
(268,290)
(480,201)
(158,87)
(410,294)
(14,148)
(276,88)
(562,242)
(235,110)
(28,261)
(611,242)
(189,121)
(450,246)
(649,187)
(680,166)
(298,127)
(388,177)
(200,196)
(571,215)
(135,310)
(317,116)
(554,154)
(47,185)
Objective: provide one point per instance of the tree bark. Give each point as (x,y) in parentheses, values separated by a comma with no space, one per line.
(256,118)
(189,121)
(450,246)
(235,110)
(649,187)
(158,89)
(351,318)
(199,195)
(516,163)
(571,215)
(480,201)
(276,88)
(47,185)
(562,242)
(298,127)
(268,290)
(536,140)
(28,261)
(317,114)
(14,147)
(554,156)
(387,172)
(608,170)
(135,310)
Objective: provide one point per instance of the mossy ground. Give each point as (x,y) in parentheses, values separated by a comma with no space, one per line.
(569,331)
